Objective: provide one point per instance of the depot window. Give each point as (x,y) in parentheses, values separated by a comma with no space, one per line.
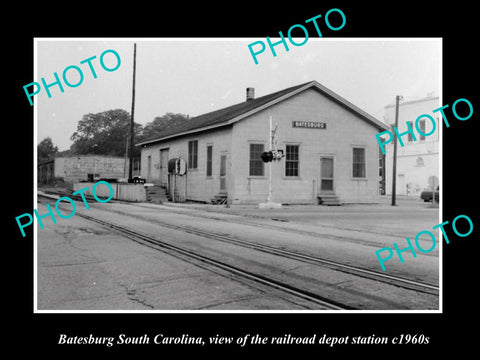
(209,160)
(193,154)
(256,163)
(358,170)
(291,160)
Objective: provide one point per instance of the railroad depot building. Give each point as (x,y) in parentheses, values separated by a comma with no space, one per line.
(329,145)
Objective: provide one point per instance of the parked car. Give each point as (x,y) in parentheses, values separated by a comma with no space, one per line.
(138,180)
(427,195)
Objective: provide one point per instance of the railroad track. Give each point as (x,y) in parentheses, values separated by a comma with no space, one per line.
(335,265)
(248,222)
(189,254)
(279,285)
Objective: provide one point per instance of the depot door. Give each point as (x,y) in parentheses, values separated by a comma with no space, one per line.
(163,167)
(149,168)
(223,173)
(326,174)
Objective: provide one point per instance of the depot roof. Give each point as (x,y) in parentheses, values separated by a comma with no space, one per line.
(237,112)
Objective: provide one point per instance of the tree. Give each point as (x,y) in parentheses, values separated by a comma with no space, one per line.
(46,150)
(104,133)
(160,123)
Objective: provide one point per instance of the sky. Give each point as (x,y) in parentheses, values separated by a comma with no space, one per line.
(195,76)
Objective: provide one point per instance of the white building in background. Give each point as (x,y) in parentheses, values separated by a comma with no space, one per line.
(418,160)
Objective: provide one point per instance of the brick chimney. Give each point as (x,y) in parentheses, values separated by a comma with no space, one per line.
(250,93)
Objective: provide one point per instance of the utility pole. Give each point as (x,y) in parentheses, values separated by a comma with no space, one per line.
(394,175)
(126,156)
(130,167)
(269,197)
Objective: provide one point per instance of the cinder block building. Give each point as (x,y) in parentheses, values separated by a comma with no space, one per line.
(81,168)
(331,153)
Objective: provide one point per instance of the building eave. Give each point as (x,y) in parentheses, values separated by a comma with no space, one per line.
(183,133)
(313,84)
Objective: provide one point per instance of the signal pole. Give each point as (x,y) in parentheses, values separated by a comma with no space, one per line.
(270,204)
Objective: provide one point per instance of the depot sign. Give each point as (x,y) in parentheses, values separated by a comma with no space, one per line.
(309,124)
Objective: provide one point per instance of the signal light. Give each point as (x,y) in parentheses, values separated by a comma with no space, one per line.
(267,156)
(278,154)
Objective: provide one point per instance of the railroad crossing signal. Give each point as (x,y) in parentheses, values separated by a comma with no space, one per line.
(272,155)
(267,156)
(278,154)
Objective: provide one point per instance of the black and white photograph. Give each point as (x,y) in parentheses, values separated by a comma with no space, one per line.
(243,186)
(253,179)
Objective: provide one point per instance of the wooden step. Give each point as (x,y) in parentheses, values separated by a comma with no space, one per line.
(329,200)
(156,194)
(219,199)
